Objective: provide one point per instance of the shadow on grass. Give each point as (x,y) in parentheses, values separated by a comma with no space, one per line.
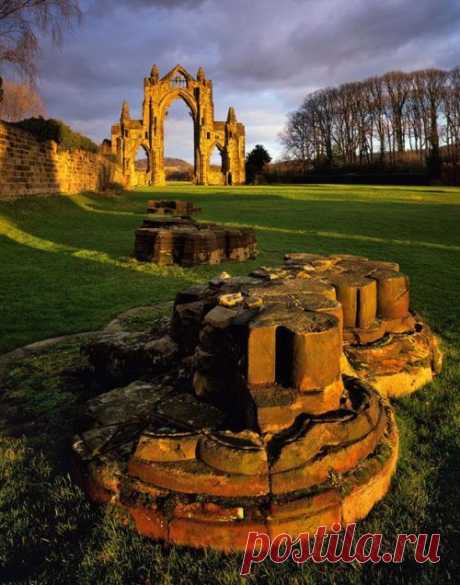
(86,203)
(77,232)
(13,233)
(50,289)
(102,222)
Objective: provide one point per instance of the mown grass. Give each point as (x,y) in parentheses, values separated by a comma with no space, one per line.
(67,268)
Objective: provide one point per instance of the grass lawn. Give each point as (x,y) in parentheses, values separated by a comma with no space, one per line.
(66,268)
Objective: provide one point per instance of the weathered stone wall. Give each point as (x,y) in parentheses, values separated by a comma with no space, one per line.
(30,167)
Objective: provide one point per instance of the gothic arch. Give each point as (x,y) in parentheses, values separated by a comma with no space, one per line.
(177,94)
(163,110)
(177,69)
(137,176)
(197,93)
(216,176)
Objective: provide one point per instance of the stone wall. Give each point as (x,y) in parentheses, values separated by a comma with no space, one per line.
(30,167)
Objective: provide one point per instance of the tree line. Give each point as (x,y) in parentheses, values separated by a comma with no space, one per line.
(390,119)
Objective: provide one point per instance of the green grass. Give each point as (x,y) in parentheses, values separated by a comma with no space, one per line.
(66,268)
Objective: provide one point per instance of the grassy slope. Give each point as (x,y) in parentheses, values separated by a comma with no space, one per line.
(66,268)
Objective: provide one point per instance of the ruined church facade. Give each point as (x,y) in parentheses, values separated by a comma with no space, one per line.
(159,93)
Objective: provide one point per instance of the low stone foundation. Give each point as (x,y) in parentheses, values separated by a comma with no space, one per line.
(261,408)
(172,207)
(171,236)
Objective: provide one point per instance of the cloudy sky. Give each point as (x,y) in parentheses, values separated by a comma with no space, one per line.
(263,55)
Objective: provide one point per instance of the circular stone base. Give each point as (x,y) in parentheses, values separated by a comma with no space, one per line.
(210,487)
(262,408)
(399,363)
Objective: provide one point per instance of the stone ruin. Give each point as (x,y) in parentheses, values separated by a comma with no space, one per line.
(148,133)
(171,236)
(174,207)
(261,406)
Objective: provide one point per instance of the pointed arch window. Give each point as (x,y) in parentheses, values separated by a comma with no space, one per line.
(178,80)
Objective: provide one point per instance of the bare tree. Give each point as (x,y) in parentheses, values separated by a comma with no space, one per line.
(415,121)
(20,100)
(388,115)
(322,107)
(451,110)
(429,90)
(376,103)
(22,21)
(297,137)
(397,87)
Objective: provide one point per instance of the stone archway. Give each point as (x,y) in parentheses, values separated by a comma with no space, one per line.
(217,173)
(159,147)
(197,93)
(141,172)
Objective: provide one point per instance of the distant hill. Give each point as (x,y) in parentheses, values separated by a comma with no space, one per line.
(176,169)
(177,163)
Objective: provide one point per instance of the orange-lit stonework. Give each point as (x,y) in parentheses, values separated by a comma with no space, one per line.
(170,235)
(148,133)
(262,406)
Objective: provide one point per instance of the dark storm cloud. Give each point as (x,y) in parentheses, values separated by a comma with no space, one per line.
(320,37)
(263,55)
(100,7)
(163,3)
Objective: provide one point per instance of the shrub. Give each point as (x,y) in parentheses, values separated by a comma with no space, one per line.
(56,130)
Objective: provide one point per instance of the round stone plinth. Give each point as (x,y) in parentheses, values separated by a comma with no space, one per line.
(263,407)
(211,486)
(398,364)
